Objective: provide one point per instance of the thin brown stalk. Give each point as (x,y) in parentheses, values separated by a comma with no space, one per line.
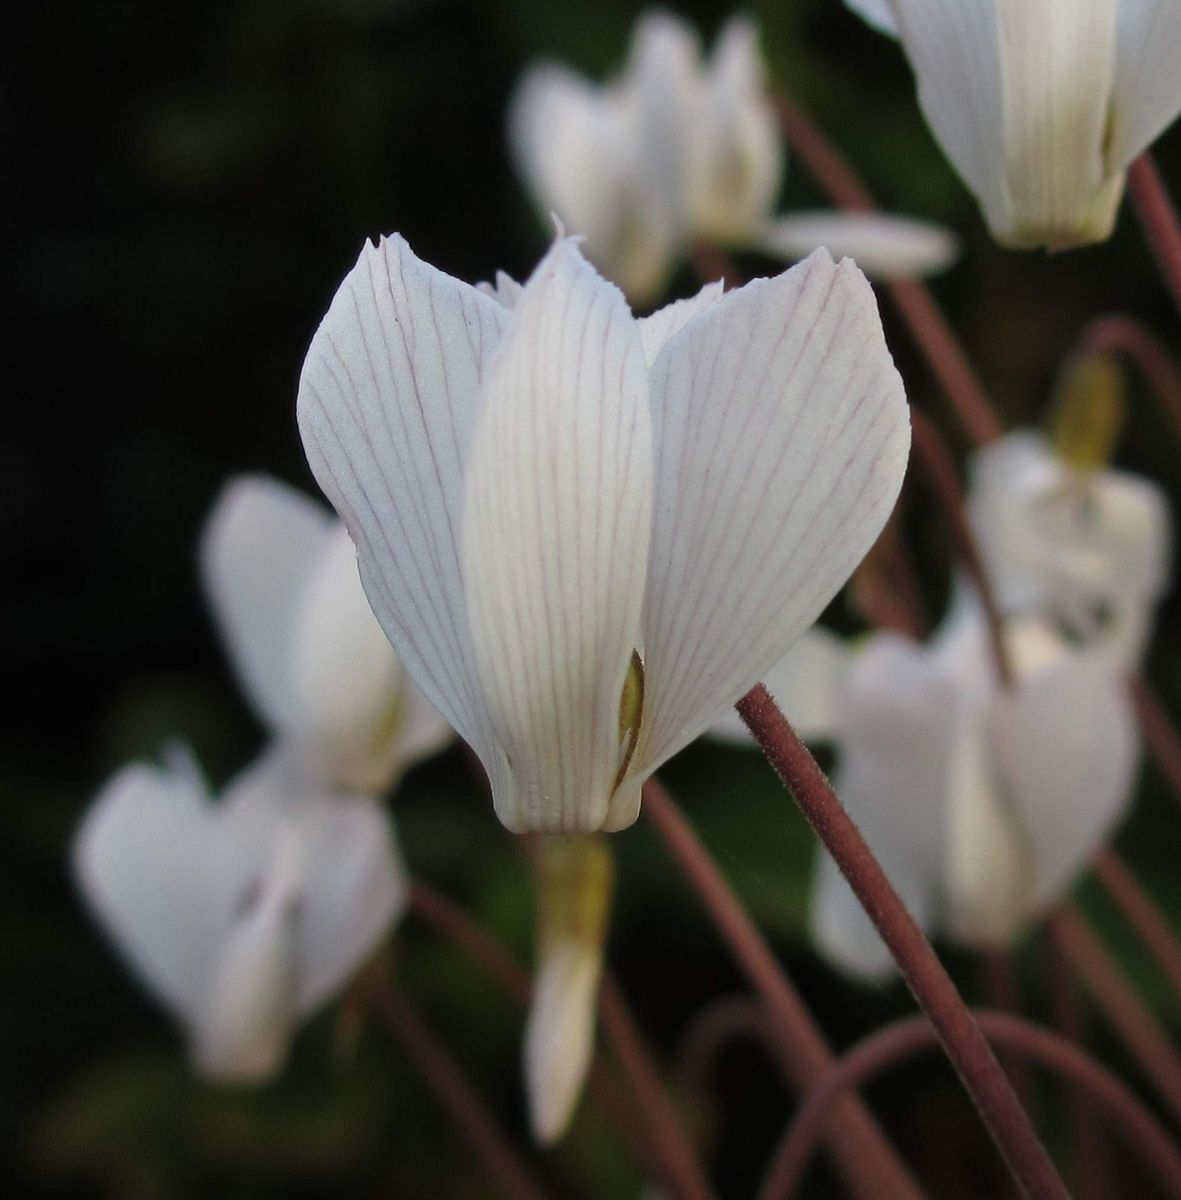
(906,1037)
(1004,995)
(1092,1157)
(866,1161)
(938,469)
(1117,334)
(504,1165)
(1138,1029)
(932,987)
(713,1028)
(926,323)
(451,920)
(1141,912)
(1160,735)
(684,1175)
(1158,219)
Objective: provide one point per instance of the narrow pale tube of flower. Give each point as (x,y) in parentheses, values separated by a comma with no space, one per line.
(548,495)
(1041,107)
(574,883)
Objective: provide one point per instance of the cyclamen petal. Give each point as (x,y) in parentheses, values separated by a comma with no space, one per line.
(242,915)
(1041,107)
(281,576)
(698,507)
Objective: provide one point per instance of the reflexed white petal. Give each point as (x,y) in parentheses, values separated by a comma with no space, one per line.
(735,154)
(259,548)
(570,142)
(354,884)
(560,1035)
(1089,551)
(1018,94)
(876,13)
(555,539)
(955,52)
(1066,741)
(898,727)
(883,246)
(387,405)
(1147,90)
(248,1007)
(144,865)
(656,329)
(346,680)
(781,436)
(807,684)
(421,730)
(1057,70)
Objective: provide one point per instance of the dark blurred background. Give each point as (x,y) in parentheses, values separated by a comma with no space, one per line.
(187,184)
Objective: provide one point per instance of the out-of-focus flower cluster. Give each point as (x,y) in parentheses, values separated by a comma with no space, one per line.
(576,538)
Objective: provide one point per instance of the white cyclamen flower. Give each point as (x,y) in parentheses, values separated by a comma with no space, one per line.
(281,577)
(1085,549)
(551,498)
(982,803)
(681,148)
(241,916)
(1041,104)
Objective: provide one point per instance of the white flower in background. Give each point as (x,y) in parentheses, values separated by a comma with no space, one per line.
(982,803)
(281,577)
(1085,548)
(551,499)
(680,148)
(244,915)
(1041,106)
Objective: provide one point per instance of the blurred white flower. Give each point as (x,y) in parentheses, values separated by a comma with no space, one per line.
(241,916)
(1085,549)
(679,149)
(552,498)
(281,577)
(982,803)
(1041,106)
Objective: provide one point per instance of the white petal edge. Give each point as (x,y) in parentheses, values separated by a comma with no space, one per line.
(883,246)
(258,552)
(656,329)
(875,13)
(555,540)
(141,860)
(1066,739)
(807,684)
(1147,89)
(781,432)
(388,401)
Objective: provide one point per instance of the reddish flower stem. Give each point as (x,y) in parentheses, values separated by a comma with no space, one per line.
(683,1174)
(868,1163)
(933,457)
(713,1028)
(450,920)
(1138,1028)
(504,1166)
(932,987)
(1122,335)
(1004,994)
(1158,220)
(1092,1157)
(1160,735)
(906,1037)
(1141,912)
(928,327)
